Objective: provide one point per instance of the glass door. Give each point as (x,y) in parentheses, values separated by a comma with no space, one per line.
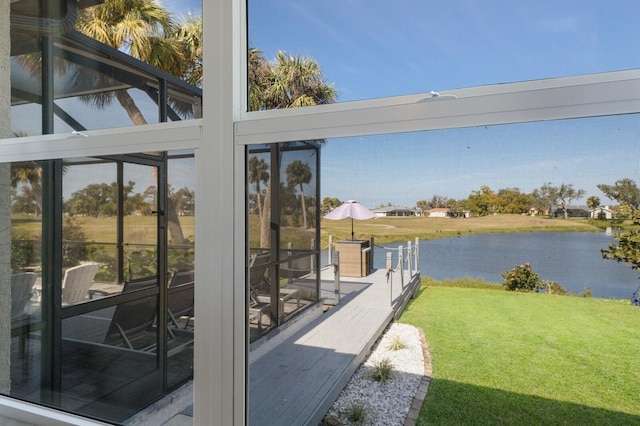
(113,332)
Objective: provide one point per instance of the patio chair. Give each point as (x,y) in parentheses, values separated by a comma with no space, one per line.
(181,297)
(21,291)
(258,304)
(77,281)
(133,320)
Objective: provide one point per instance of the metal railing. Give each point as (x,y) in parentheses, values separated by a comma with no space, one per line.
(402,261)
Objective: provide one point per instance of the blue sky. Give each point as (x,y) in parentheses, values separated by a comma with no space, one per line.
(376,48)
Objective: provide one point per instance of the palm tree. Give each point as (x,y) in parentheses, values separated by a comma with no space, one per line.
(299,173)
(287,82)
(144,30)
(29,172)
(258,172)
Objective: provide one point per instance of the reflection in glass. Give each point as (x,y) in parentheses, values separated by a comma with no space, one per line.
(101,283)
(25,316)
(282,282)
(95,87)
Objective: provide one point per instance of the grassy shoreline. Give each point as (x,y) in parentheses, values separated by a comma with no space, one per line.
(398,229)
(527,358)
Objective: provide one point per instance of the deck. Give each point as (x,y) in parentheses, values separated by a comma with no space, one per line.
(298,381)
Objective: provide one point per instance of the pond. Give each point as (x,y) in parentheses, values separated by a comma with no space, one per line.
(572,259)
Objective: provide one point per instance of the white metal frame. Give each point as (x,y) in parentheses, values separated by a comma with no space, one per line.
(539,100)
(220,384)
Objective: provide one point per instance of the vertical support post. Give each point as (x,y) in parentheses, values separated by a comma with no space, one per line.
(409,259)
(312,256)
(390,276)
(401,265)
(417,257)
(372,244)
(289,274)
(336,276)
(329,256)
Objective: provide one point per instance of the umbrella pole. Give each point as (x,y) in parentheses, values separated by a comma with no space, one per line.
(351,229)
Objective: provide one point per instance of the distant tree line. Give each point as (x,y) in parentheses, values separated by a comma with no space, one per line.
(542,201)
(101,200)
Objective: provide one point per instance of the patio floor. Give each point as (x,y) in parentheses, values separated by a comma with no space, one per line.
(297,382)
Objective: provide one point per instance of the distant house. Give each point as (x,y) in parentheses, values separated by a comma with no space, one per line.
(573,211)
(439,212)
(393,211)
(445,212)
(602,212)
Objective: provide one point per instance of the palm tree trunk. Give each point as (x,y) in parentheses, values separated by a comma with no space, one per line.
(265,219)
(130,107)
(304,208)
(173,222)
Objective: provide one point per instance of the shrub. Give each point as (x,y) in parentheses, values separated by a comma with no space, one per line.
(586,292)
(397,343)
(25,250)
(74,248)
(358,413)
(522,278)
(555,288)
(382,371)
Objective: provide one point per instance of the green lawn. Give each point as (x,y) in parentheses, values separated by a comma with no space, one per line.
(513,358)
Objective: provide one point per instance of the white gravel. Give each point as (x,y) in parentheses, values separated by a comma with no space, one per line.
(386,403)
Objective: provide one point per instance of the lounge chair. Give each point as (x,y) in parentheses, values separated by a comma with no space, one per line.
(134,327)
(181,297)
(259,304)
(132,321)
(21,291)
(77,281)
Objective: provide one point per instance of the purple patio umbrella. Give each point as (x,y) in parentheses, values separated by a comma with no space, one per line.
(352,209)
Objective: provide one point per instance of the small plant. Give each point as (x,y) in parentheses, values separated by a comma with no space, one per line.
(555,288)
(522,278)
(586,292)
(357,413)
(397,344)
(382,371)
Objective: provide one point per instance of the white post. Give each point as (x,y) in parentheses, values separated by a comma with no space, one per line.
(417,257)
(390,276)
(289,274)
(409,259)
(336,276)
(401,265)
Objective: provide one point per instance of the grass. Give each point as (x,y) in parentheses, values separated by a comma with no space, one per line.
(395,229)
(141,229)
(516,358)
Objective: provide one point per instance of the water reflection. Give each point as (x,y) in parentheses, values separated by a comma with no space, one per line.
(570,258)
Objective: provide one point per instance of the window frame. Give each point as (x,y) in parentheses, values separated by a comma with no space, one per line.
(221,361)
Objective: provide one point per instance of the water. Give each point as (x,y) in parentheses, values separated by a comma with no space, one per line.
(570,258)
